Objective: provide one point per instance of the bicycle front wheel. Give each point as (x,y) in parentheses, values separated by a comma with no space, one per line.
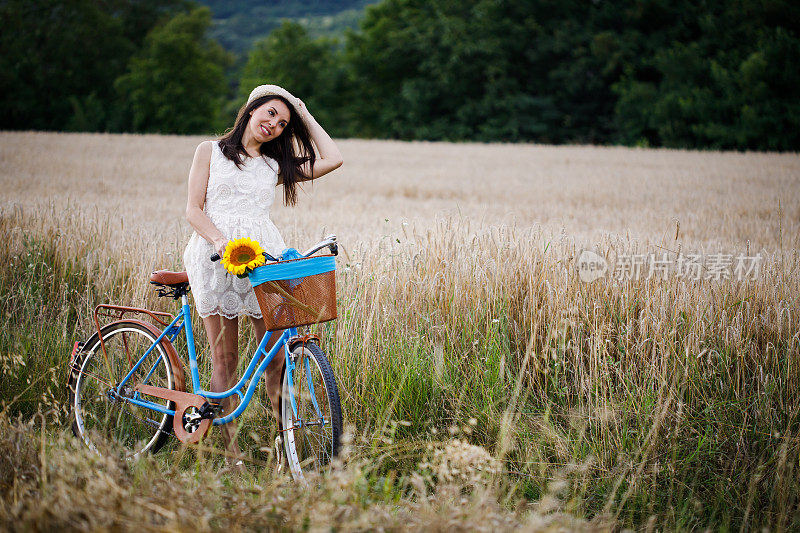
(311,414)
(103,414)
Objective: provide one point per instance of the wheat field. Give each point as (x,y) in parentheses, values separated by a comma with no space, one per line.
(720,199)
(485,386)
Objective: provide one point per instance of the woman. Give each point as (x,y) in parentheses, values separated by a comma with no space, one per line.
(231,188)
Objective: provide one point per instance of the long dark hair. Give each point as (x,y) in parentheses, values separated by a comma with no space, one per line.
(290,149)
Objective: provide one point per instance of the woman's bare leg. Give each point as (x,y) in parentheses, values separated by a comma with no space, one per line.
(223,337)
(272,376)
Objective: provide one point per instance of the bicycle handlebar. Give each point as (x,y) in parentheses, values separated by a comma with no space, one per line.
(328,242)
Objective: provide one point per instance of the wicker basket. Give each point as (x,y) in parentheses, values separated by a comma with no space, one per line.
(300,301)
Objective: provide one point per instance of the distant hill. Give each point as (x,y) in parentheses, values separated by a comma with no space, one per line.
(238,23)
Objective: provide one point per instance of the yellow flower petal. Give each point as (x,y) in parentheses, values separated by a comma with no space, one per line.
(242,255)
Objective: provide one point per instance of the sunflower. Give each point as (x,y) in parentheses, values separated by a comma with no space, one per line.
(242,256)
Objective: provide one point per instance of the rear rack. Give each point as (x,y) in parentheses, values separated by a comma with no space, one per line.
(116,312)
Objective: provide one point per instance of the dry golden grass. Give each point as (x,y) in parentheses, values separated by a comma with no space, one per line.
(721,200)
(648,402)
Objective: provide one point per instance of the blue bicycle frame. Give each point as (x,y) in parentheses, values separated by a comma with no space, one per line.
(258,364)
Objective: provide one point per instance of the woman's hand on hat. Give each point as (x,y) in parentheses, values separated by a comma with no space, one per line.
(304,114)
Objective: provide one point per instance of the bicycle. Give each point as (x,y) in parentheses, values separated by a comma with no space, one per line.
(127,384)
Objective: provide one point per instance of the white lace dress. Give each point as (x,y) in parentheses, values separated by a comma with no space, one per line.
(238,203)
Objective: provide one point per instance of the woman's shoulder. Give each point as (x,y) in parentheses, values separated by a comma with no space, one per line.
(204,150)
(207,147)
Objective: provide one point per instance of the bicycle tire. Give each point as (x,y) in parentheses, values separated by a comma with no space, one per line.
(99,417)
(311,441)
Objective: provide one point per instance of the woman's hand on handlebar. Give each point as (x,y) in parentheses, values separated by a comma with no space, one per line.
(219,246)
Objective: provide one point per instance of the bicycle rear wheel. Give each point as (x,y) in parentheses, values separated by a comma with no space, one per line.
(311,413)
(101,414)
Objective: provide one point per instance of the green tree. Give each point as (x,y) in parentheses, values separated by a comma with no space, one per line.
(726,79)
(176,83)
(659,72)
(59,58)
(769,95)
(309,69)
(386,51)
(56,51)
(482,69)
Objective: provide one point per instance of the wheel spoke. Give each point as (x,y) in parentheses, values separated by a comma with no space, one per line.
(103,414)
(319,413)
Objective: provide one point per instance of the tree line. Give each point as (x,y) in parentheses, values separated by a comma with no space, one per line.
(675,73)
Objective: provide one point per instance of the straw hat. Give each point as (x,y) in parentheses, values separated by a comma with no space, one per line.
(265,90)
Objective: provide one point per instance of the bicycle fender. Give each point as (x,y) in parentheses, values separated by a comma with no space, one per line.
(76,357)
(172,354)
(298,339)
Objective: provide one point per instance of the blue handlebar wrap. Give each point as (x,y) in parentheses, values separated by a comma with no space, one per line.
(292,269)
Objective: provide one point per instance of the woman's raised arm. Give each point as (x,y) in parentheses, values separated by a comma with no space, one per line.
(198,183)
(330,158)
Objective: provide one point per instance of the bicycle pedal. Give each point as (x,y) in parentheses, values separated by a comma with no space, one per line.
(211,410)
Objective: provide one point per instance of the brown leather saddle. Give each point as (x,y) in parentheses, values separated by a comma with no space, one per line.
(169,283)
